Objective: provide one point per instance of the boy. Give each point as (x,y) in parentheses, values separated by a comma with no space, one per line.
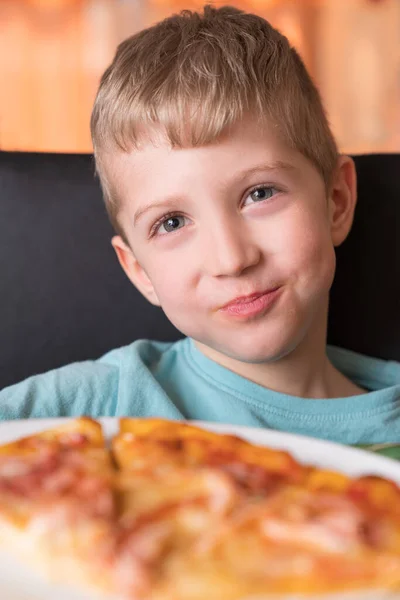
(228,195)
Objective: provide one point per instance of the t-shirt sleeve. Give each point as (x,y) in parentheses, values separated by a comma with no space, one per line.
(83,388)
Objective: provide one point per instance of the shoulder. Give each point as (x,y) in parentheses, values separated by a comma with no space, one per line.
(372,373)
(87,387)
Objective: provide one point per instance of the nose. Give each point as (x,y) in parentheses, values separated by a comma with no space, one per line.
(230,251)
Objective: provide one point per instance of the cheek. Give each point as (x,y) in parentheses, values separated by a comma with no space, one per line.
(307,251)
(170,279)
(173,284)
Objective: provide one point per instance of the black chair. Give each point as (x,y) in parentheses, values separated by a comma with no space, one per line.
(64,297)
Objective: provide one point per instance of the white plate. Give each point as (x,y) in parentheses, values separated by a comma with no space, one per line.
(17,583)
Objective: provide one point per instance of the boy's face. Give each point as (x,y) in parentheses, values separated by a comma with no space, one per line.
(243,216)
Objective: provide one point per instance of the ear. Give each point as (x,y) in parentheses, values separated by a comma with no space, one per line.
(133,270)
(343,199)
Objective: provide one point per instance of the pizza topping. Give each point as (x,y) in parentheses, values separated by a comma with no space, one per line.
(143,548)
(145,539)
(162,455)
(327,521)
(376,493)
(14,467)
(132,565)
(43,471)
(220,494)
(252,478)
(74,439)
(318,535)
(55,472)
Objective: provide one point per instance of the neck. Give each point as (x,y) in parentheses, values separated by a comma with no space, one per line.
(305,372)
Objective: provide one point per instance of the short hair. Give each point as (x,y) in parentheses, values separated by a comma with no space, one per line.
(197,73)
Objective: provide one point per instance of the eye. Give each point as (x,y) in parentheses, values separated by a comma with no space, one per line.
(169,223)
(259,194)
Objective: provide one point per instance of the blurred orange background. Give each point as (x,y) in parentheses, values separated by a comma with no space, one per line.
(53,52)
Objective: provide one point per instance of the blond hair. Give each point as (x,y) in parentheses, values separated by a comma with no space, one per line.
(195,74)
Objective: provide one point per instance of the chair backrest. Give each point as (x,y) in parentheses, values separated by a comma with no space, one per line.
(64,298)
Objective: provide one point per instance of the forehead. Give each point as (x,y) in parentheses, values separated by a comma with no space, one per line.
(154,166)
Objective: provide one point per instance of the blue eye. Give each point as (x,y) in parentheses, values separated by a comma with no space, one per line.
(170,224)
(260,194)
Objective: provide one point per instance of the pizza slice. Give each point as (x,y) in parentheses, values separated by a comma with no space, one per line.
(57,499)
(197,526)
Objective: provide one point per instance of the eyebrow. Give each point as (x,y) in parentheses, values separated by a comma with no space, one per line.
(171,201)
(168,202)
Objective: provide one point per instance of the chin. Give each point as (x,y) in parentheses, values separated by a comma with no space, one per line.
(260,343)
(252,351)
(259,355)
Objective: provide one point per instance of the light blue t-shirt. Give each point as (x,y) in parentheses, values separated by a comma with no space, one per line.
(176,381)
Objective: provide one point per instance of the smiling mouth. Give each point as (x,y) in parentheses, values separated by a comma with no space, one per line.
(252,305)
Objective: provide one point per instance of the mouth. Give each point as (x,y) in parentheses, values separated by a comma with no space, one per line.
(251,305)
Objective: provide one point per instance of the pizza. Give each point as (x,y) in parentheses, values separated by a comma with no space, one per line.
(170,511)
(57,499)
